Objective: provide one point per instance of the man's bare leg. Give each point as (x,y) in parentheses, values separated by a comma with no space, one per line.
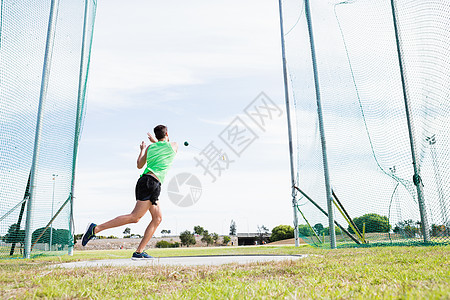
(138,212)
(155,211)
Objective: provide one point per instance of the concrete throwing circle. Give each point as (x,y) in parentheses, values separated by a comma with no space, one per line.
(182,261)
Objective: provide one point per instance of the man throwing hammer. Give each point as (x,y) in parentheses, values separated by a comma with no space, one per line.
(158,157)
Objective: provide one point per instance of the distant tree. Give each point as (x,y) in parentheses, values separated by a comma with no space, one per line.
(305,230)
(407,228)
(77,237)
(233,228)
(318,228)
(187,238)
(373,223)
(42,236)
(59,236)
(215,237)
(127,231)
(165,231)
(263,232)
(163,244)
(166,244)
(439,230)
(326,231)
(207,238)
(199,230)
(282,232)
(62,237)
(14,235)
(226,240)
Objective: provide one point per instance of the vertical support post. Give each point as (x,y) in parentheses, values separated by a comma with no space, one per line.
(321,129)
(42,97)
(416,178)
(82,79)
(288,113)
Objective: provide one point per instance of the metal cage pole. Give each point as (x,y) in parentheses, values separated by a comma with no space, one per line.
(321,129)
(288,113)
(42,97)
(82,81)
(416,178)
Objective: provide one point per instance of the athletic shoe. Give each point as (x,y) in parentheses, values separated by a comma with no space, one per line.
(142,255)
(88,235)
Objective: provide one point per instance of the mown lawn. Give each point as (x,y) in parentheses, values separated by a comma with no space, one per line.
(357,273)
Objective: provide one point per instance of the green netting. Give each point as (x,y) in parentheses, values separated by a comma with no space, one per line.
(365,118)
(24,31)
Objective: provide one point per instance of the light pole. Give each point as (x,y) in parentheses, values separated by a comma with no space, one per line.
(51,217)
(437,176)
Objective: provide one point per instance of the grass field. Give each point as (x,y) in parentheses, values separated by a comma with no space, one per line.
(369,273)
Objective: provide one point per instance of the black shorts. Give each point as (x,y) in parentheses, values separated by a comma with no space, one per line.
(148,188)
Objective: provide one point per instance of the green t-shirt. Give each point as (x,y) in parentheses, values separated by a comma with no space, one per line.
(160,156)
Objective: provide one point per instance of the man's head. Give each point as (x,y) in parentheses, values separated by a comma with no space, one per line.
(160,132)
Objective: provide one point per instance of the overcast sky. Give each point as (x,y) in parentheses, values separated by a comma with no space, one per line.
(194,66)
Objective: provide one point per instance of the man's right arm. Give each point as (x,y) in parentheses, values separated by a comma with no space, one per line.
(142,158)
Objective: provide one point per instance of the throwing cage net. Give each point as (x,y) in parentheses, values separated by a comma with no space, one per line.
(383,74)
(44,53)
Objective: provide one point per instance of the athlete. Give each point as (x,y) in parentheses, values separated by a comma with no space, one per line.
(158,157)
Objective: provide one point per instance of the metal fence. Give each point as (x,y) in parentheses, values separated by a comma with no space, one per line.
(368,90)
(45,49)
